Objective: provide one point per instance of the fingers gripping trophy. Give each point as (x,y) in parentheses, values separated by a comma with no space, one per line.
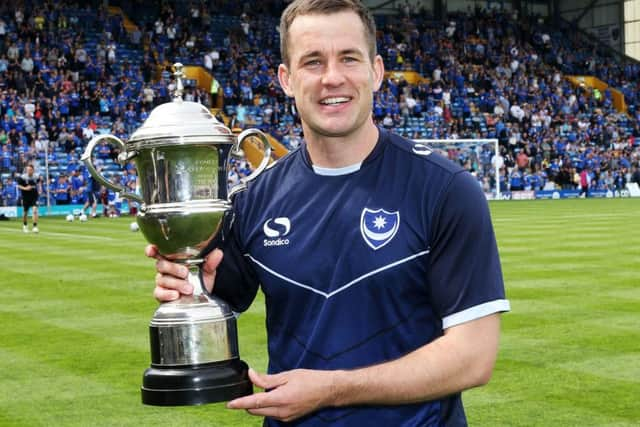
(182,155)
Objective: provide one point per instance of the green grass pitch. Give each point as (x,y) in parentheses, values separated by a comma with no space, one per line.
(76,301)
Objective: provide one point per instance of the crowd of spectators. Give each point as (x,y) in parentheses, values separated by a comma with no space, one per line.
(482,74)
(493,75)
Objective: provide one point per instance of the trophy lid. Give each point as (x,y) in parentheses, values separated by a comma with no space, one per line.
(180,122)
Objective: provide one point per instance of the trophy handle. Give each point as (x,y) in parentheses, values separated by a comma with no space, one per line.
(123,157)
(237,148)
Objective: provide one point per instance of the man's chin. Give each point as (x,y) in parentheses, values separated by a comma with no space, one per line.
(335,134)
(333,131)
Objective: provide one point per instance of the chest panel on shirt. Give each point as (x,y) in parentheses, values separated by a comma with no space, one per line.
(340,232)
(342,250)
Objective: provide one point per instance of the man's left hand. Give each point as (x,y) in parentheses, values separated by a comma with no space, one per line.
(288,395)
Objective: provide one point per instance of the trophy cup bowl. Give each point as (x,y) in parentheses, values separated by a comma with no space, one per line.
(182,155)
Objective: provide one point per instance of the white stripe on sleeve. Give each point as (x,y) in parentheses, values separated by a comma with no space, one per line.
(476,312)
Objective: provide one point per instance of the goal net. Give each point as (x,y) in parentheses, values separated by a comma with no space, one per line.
(478,156)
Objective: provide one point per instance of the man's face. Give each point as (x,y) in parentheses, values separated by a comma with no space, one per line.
(330,74)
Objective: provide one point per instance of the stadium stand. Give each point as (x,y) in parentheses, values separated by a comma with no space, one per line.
(484,74)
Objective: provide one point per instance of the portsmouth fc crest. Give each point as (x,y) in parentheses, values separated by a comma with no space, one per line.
(378,227)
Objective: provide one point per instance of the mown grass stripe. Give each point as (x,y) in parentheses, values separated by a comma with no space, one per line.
(548,395)
(57,397)
(79,369)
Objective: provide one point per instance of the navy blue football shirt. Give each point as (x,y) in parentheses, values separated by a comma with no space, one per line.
(362,265)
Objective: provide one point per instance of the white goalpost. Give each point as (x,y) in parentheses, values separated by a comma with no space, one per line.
(481,155)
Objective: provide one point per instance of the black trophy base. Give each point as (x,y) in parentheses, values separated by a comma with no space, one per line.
(196,385)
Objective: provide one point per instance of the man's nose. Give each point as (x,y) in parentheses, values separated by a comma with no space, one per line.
(333,74)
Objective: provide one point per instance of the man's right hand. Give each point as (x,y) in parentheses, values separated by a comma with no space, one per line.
(171,278)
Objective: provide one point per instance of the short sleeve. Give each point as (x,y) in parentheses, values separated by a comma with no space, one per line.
(464,273)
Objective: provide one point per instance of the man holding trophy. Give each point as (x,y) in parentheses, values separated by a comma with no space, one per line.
(376,256)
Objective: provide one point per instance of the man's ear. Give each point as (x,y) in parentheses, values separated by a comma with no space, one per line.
(378,72)
(283,78)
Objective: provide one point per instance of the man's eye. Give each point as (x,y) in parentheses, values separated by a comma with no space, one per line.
(312,62)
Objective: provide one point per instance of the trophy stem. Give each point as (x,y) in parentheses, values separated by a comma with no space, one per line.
(195,279)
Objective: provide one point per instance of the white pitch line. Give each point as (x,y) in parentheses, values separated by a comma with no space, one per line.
(53,233)
(561,217)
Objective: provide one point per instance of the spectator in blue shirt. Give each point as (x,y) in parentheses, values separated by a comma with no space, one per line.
(6,159)
(78,187)
(516,183)
(62,191)
(10,192)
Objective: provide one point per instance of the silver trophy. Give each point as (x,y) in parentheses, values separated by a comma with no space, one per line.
(182,154)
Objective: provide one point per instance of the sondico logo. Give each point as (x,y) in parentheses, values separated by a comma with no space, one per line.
(276,229)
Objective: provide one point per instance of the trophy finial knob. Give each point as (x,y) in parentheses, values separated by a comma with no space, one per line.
(179,75)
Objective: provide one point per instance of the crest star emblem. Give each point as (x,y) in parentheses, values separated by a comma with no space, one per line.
(379,222)
(378,227)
